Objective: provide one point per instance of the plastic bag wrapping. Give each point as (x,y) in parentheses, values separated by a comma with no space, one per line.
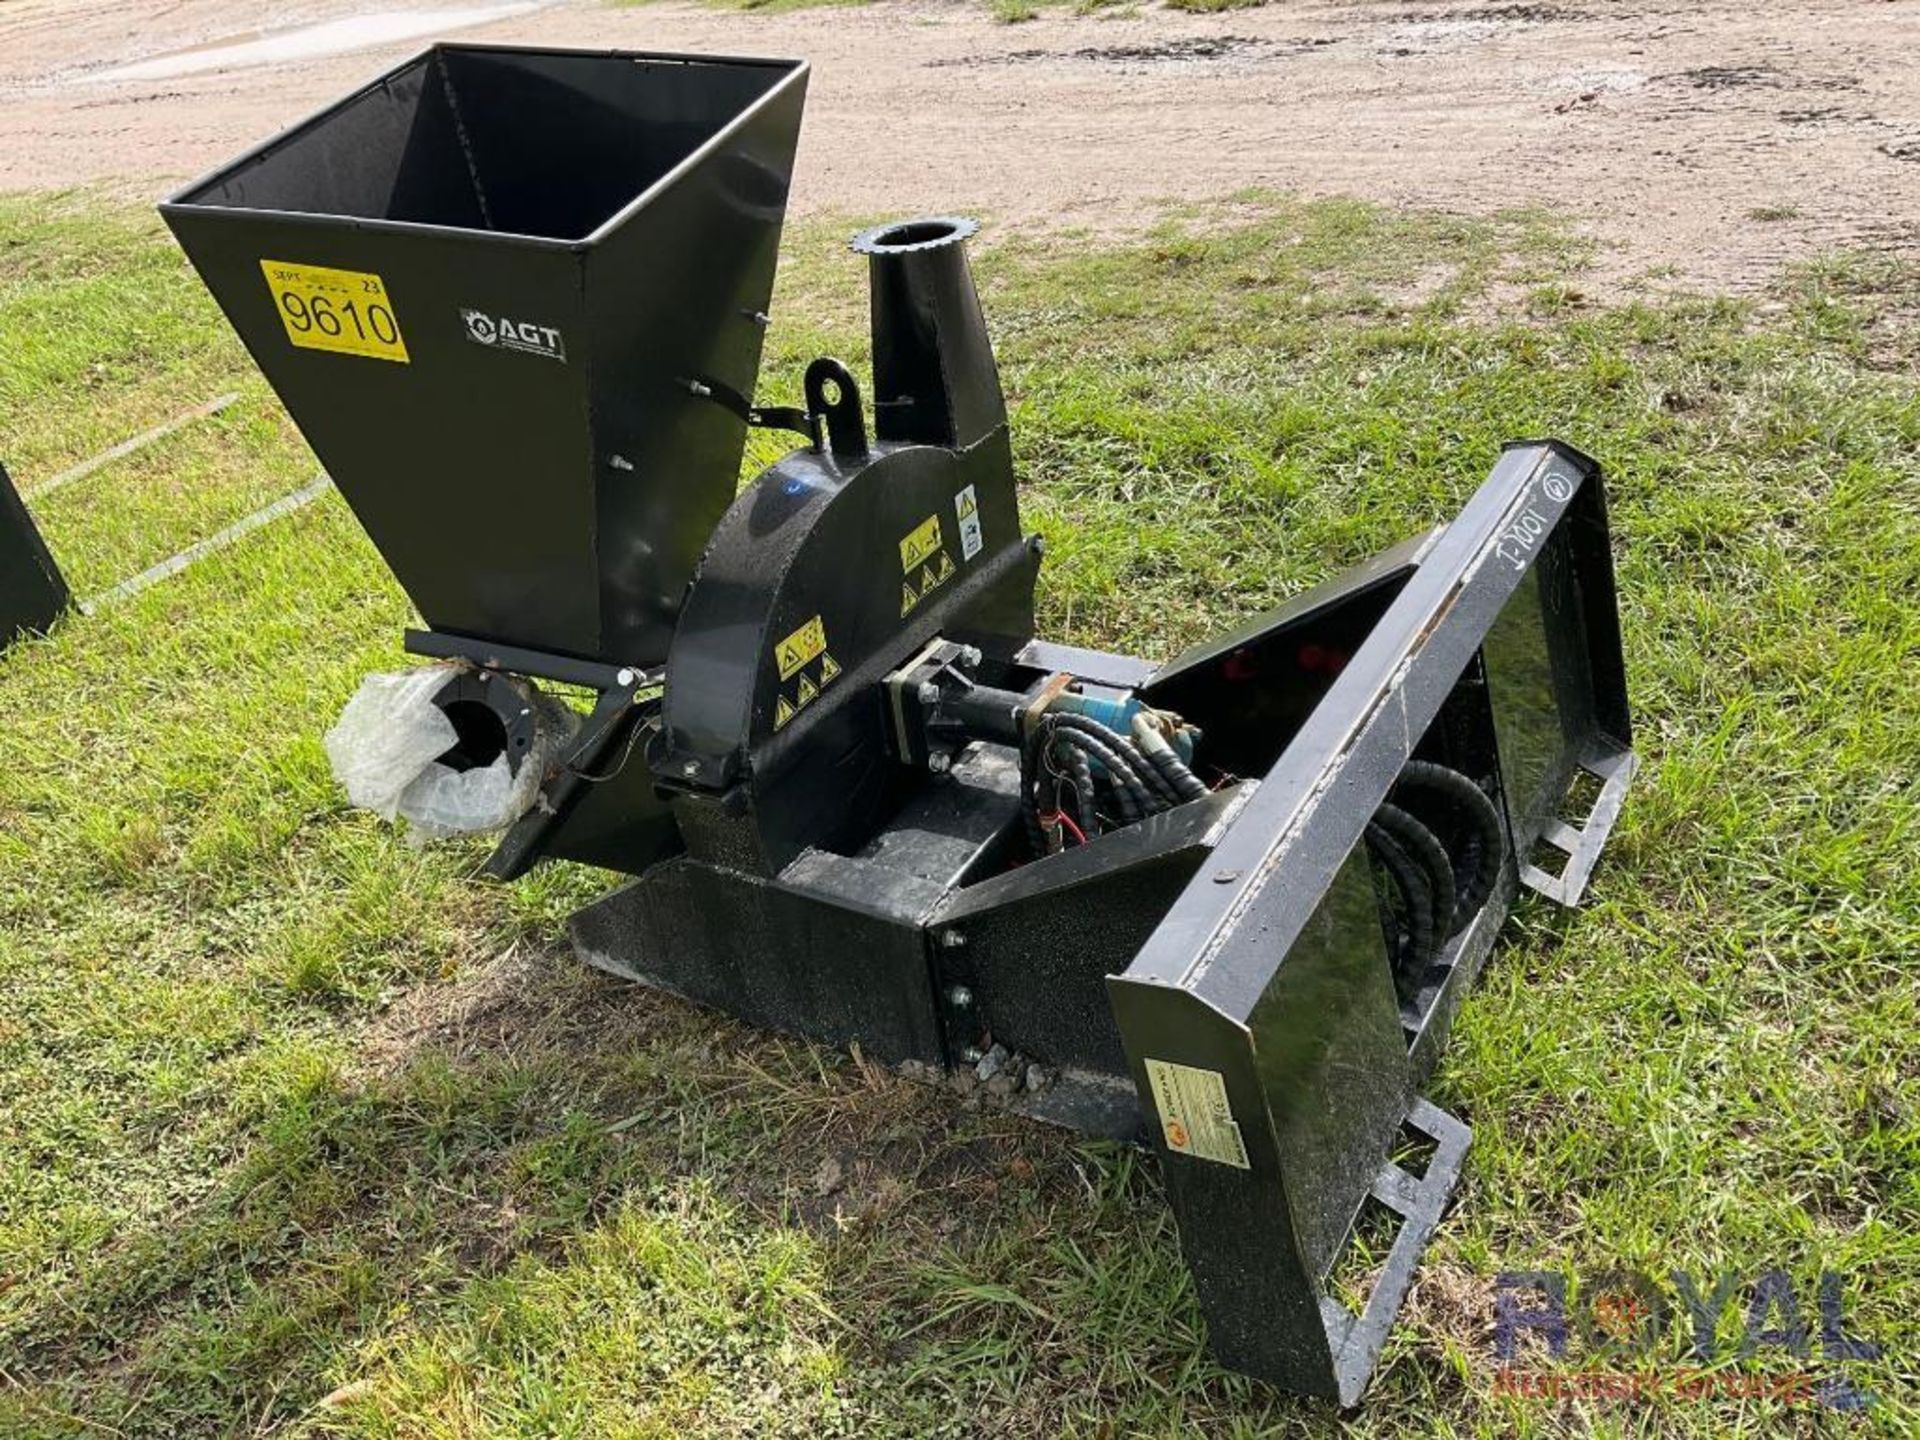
(385,750)
(443,801)
(389,733)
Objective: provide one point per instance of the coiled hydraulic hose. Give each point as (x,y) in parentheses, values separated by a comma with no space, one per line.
(1471,802)
(1142,773)
(1439,897)
(1134,767)
(1425,848)
(1131,793)
(1419,945)
(1164,759)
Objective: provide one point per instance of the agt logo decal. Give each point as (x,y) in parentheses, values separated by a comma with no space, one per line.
(501,332)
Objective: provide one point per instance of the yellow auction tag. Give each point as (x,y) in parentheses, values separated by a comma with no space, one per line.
(347,311)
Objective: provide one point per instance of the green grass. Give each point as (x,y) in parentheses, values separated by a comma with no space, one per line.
(307,1131)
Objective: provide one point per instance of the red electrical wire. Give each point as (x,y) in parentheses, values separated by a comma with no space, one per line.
(1061,818)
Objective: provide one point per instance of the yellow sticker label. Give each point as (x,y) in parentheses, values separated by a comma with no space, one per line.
(800,647)
(920,544)
(829,668)
(809,692)
(783,712)
(346,311)
(909,597)
(1195,1116)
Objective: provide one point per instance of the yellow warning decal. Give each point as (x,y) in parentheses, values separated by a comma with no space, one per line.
(935,573)
(1195,1116)
(806,692)
(918,546)
(346,311)
(800,647)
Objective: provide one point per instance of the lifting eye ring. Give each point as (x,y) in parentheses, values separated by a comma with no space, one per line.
(834,395)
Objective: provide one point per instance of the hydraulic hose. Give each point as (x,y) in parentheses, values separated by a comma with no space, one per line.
(1420,946)
(1162,756)
(1083,796)
(1130,793)
(1423,847)
(1471,802)
(1159,791)
(1031,749)
(1142,771)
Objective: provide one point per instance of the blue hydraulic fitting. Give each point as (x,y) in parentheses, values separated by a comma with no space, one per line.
(1117,716)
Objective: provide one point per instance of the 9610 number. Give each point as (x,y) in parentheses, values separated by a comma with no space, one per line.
(345,311)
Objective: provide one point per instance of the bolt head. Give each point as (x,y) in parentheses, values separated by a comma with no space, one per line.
(960,996)
(692,767)
(928,693)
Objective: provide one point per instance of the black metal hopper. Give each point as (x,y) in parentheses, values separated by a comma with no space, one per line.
(513,298)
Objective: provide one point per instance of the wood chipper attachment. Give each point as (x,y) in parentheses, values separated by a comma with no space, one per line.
(1227,905)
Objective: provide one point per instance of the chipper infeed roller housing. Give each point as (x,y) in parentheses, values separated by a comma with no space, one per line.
(1229,903)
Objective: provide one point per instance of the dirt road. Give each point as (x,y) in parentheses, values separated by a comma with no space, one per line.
(1704,142)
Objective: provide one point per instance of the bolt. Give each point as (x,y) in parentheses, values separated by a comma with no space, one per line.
(973,1054)
(969,655)
(939,763)
(624,677)
(692,767)
(928,693)
(960,996)
(952,939)
(1225,877)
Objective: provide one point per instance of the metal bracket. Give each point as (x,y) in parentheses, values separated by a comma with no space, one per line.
(1582,844)
(513,660)
(760,417)
(1419,1201)
(613,717)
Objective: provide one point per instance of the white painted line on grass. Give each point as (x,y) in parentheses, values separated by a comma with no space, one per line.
(127,447)
(237,531)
